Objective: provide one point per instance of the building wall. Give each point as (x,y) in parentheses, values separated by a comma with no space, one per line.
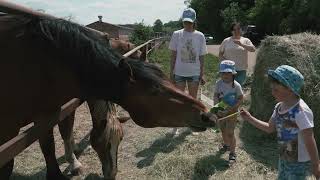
(124,34)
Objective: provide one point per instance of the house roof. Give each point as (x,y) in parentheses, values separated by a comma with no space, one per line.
(109,24)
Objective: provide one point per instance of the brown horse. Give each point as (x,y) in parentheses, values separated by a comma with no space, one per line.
(103,114)
(40,55)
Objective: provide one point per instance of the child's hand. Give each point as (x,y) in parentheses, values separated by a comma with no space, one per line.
(245,114)
(316,170)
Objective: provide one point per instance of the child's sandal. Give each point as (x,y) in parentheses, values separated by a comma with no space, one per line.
(232,157)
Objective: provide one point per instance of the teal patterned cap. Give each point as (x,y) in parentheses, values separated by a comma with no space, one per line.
(289,77)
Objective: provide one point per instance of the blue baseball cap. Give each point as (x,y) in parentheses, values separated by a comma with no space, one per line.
(289,77)
(189,15)
(227,66)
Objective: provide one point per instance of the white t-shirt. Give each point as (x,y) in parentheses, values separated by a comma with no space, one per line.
(227,92)
(189,47)
(236,53)
(289,125)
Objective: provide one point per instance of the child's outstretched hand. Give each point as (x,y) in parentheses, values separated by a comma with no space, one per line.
(245,114)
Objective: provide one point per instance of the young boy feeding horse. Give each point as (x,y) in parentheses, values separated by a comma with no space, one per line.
(292,119)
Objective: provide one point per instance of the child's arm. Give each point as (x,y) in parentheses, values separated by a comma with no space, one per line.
(311,146)
(268,127)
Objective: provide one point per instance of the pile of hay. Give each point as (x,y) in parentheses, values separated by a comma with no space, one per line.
(301,51)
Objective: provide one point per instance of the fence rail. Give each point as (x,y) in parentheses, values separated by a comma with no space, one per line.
(147,47)
(16,145)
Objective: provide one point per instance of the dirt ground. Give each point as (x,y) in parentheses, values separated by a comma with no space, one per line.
(149,154)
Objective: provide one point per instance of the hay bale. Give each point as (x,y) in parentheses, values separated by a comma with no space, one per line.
(301,51)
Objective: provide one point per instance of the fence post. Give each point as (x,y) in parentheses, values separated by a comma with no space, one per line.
(146,54)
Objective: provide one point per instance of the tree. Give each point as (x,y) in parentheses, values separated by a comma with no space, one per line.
(233,13)
(158,26)
(209,19)
(172,26)
(270,16)
(215,17)
(141,34)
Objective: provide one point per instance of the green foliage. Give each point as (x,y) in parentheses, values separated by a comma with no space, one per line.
(172,26)
(141,34)
(270,16)
(158,26)
(292,16)
(231,14)
(209,19)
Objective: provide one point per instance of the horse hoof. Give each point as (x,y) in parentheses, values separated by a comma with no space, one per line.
(77,171)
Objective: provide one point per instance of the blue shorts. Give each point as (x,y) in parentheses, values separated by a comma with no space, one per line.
(293,170)
(180,79)
(241,77)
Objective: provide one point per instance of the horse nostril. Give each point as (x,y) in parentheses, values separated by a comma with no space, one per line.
(205,117)
(208,117)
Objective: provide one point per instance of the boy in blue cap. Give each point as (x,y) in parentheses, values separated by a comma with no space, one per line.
(228,92)
(292,119)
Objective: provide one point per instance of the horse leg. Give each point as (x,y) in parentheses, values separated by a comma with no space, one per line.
(47,146)
(99,137)
(66,131)
(48,150)
(6,170)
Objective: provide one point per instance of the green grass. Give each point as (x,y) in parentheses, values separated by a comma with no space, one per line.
(162,58)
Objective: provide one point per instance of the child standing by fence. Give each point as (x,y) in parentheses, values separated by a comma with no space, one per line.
(292,119)
(229,92)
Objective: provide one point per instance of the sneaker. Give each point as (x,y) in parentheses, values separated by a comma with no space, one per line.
(175,132)
(195,133)
(232,157)
(224,148)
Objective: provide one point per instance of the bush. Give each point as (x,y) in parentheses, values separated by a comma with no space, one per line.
(141,34)
(301,51)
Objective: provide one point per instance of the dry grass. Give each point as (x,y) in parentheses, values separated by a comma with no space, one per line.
(150,154)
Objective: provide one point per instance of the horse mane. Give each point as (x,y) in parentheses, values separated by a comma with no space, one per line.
(85,51)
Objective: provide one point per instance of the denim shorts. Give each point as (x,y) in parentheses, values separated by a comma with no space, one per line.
(241,77)
(293,170)
(179,79)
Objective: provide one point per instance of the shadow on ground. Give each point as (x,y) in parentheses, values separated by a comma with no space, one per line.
(209,165)
(261,146)
(164,144)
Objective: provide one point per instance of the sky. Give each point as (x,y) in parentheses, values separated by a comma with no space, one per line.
(113,11)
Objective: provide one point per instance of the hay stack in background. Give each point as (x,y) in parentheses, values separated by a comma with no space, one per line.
(301,51)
